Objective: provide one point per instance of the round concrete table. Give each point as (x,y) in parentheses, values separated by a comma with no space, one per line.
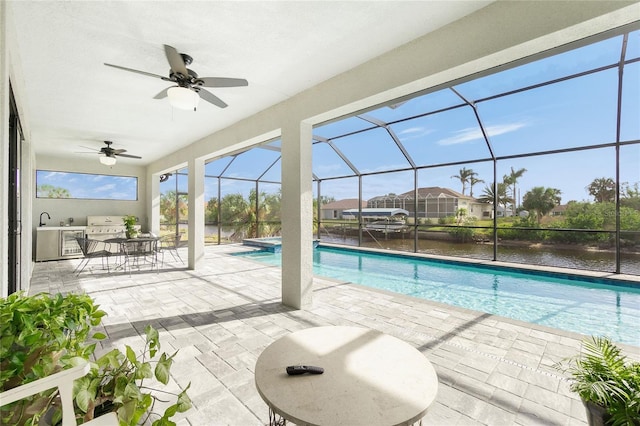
(369,378)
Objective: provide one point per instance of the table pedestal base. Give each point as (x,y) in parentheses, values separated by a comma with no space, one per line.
(275,419)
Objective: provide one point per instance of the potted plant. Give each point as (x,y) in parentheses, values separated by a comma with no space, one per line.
(37,335)
(119,381)
(43,334)
(130,223)
(608,384)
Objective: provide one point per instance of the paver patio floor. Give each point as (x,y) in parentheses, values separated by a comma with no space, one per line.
(491,370)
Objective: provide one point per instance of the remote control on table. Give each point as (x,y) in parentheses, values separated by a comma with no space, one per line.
(294,370)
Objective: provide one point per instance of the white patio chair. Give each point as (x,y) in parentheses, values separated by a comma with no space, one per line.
(64,382)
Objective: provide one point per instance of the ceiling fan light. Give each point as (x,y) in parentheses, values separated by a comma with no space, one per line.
(107,161)
(183,98)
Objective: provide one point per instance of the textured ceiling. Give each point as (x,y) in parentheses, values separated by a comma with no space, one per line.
(282,48)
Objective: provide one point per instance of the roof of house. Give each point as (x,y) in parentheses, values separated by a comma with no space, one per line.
(426,192)
(347,203)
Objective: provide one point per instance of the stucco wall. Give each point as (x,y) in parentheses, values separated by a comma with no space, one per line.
(62,209)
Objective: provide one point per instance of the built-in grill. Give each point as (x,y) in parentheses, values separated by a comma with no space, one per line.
(105,227)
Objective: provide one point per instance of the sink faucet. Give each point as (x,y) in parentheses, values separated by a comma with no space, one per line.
(48,217)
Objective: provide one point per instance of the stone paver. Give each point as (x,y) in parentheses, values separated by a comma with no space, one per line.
(492,370)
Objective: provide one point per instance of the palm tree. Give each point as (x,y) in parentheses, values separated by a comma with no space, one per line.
(465,175)
(237,212)
(268,214)
(502,198)
(211,210)
(541,200)
(173,206)
(472,181)
(602,190)
(50,191)
(511,180)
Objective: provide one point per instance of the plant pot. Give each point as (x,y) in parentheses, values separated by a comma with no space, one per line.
(596,414)
(104,408)
(47,417)
(132,234)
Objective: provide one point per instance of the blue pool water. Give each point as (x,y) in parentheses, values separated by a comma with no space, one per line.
(590,308)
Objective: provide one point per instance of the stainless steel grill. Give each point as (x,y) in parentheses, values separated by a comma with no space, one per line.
(105,227)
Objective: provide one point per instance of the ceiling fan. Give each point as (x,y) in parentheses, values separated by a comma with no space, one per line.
(108,154)
(190,87)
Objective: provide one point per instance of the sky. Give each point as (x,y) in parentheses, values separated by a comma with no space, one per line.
(88,186)
(567,114)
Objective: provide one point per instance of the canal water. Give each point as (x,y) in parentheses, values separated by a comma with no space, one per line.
(602,261)
(565,257)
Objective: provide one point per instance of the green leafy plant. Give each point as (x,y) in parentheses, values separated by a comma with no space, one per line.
(120,380)
(38,334)
(461,233)
(43,334)
(602,375)
(130,223)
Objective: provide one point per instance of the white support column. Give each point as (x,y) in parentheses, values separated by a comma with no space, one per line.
(297,216)
(196,212)
(153,203)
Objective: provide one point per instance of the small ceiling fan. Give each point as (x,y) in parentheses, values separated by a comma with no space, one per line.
(190,87)
(108,154)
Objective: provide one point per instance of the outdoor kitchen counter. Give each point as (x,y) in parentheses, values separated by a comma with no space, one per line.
(61,228)
(58,242)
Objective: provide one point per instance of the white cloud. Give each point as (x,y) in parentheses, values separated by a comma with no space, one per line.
(474,133)
(413,133)
(412,130)
(105,188)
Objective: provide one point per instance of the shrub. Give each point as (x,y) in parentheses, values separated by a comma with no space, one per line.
(602,375)
(448,220)
(462,234)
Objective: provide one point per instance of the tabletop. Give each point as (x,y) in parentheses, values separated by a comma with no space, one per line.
(370,378)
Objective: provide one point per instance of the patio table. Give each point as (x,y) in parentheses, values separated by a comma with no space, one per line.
(369,378)
(137,250)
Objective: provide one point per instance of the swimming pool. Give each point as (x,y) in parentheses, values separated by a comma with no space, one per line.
(582,306)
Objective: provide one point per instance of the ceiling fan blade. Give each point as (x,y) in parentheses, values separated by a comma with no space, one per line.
(126,155)
(118,151)
(97,151)
(175,60)
(223,82)
(136,71)
(211,98)
(162,94)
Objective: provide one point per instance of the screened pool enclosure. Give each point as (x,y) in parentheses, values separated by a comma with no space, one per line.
(532,162)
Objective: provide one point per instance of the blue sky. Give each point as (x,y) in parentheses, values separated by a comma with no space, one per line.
(568,114)
(90,186)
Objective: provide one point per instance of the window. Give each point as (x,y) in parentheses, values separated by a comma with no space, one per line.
(84,186)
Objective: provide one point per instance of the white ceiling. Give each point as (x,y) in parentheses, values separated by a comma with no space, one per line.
(282,48)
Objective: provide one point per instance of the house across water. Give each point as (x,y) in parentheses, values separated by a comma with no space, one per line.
(434,202)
